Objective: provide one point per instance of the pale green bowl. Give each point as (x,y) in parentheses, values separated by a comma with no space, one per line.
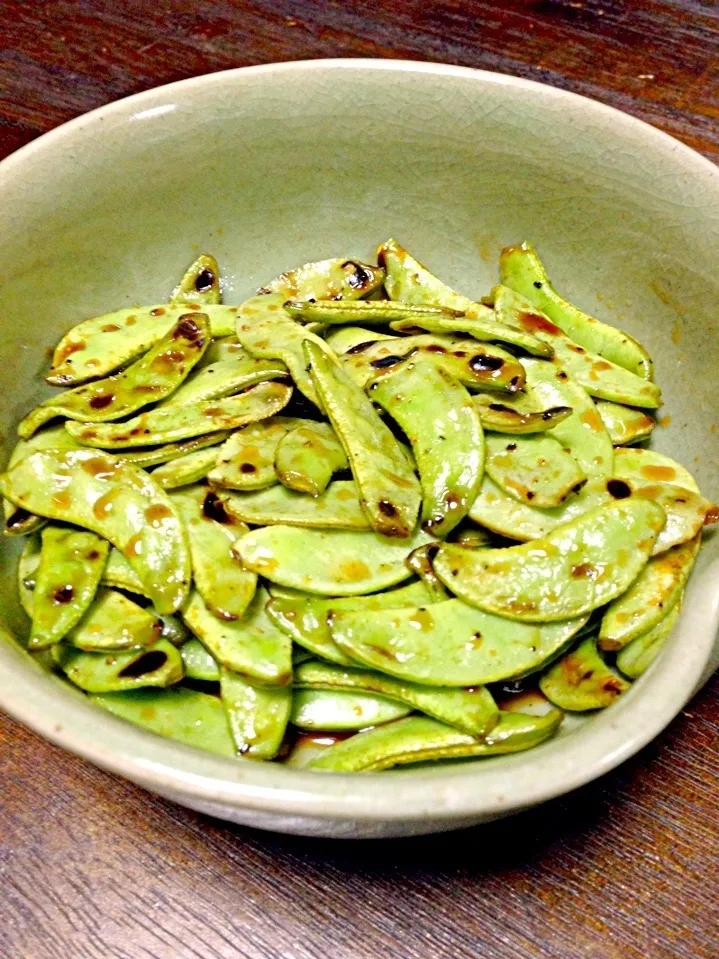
(270,166)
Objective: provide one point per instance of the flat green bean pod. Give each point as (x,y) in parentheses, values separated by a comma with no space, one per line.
(170,423)
(252,646)
(388,488)
(174,630)
(308,456)
(522,271)
(472,710)
(343,339)
(449,643)
(599,376)
(226,377)
(334,562)
(442,424)
(471,537)
(686,512)
(581,680)
(480,324)
(27,571)
(338,507)
(247,459)
(120,574)
(647,466)
(226,588)
(337,710)
(638,655)
(578,567)
(328,279)
(656,590)
(155,375)
(200,283)
(71,564)
(364,311)
(257,716)
(198,662)
(108,672)
(186,715)
(500,417)
(190,468)
(148,456)
(625,424)
(98,346)
(420,562)
(535,469)
(304,618)
(418,739)
(114,622)
(116,500)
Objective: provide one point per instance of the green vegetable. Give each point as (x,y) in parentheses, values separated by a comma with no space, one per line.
(420,562)
(151,456)
(307,457)
(114,622)
(198,662)
(257,716)
(363,311)
(226,377)
(328,279)
(581,680)
(625,424)
(190,468)
(333,710)
(343,339)
(247,459)
(107,672)
(200,283)
(534,469)
(638,655)
(338,507)
(501,417)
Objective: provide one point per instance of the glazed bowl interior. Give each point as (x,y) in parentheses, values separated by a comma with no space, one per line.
(269,167)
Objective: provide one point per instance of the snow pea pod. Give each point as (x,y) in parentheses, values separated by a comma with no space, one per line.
(336,710)
(149,456)
(198,662)
(442,425)
(638,655)
(576,568)
(344,339)
(328,279)
(625,424)
(449,643)
(470,537)
(71,564)
(116,500)
(251,646)
(581,680)
(108,672)
(186,715)
(418,739)
(226,377)
(650,597)
(307,457)
(27,571)
(155,375)
(190,468)
(98,346)
(686,512)
(338,507)
(364,311)
(479,323)
(304,618)
(534,469)
(334,562)
(500,417)
(388,488)
(170,423)
(647,466)
(225,587)
(247,459)
(257,716)
(119,573)
(521,270)
(471,710)
(200,283)
(114,622)
(420,562)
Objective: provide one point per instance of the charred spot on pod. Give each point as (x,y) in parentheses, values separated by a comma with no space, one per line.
(17,519)
(248,468)
(147,663)
(618,489)
(385,361)
(359,278)
(360,347)
(538,284)
(214,508)
(204,280)
(188,329)
(435,348)
(530,494)
(483,363)
(432,551)
(511,447)
(101,401)
(514,384)
(93,555)
(501,408)
(158,311)
(386,508)
(63,595)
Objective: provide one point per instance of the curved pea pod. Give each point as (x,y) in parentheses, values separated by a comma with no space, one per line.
(325,279)
(625,424)
(149,379)
(225,587)
(503,418)
(443,426)
(174,630)
(304,618)
(308,456)
(365,311)
(186,715)
(337,710)
(257,716)
(146,457)
(98,346)
(116,500)
(449,643)
(576,568)
(470,537)
(599,376)
(198,662)
(328,562)
(71,564)
(472,710)
(418,739)
(534,469)
(647,466)
(114,622)
(522,271)
(226,377)
(653,593)
(638,655)
(581,680)
(251,646)
(420,562)
(200,283)
(337,508)
(108,672)
(345,339)
(479,323)
(389,490)
(169,423)
(187,469)
(266,329)
(247,459)
(27,571)
(686,511)
(119,573)
(484,367)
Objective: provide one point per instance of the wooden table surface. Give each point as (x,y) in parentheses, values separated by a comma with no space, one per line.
(92,867)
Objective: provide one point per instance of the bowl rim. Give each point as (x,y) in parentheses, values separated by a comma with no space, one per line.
(479,789)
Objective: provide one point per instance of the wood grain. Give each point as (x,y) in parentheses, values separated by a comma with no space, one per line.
(91,866)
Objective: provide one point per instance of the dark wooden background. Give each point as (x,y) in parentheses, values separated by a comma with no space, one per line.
(92,867)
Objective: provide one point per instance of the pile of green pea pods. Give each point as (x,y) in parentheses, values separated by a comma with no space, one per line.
(357,521)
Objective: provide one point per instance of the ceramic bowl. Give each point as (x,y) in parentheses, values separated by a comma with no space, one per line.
(270,166)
